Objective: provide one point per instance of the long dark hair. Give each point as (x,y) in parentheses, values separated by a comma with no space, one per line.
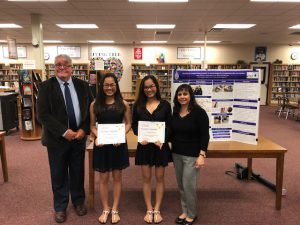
(100,104)
(142,98)
(192,103)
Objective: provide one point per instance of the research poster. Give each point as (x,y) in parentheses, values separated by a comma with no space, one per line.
(230,98)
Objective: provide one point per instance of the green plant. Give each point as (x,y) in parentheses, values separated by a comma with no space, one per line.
(277,61)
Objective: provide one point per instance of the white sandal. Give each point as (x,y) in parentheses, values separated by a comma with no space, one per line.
(157,217)
(115,217)
(104,216)
(149,216)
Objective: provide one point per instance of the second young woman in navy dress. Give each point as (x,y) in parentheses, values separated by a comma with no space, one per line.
(150,107)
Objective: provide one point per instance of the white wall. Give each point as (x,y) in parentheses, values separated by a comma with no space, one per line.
(215,54)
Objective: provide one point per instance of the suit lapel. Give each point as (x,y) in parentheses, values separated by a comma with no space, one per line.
(57,90)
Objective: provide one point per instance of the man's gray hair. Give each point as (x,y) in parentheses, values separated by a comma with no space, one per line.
(66,57)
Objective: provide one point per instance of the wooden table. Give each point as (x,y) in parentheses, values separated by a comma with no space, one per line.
(225,149)
(3,156)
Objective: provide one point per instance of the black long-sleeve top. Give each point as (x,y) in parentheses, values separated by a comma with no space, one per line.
(190,134)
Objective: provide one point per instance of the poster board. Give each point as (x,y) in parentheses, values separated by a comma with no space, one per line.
(231,99)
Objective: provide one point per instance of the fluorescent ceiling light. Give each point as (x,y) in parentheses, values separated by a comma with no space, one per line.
(169,1)
(3,41)
(101,41)
(153,42)
(37,0)
(155,26)
(295,27)
(78,26)
(234,26)
(52,41)
(209,42)
(274,0)
(9,25)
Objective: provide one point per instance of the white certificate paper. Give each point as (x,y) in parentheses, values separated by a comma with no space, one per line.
(111,133)
(151,131)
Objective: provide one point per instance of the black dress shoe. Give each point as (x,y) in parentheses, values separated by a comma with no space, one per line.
(80,210)
(179,220)
(189,222)
(60,217)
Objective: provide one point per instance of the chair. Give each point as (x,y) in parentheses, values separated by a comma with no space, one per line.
(288,108)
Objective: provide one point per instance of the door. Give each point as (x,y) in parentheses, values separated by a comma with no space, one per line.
(264,80)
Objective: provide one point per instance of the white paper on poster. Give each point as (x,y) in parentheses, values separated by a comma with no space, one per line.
(246,90)
(111,133)
(151,131)
(29,64)
(99,65)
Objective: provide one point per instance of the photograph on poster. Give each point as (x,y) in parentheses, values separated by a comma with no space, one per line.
(197,89)
(222,106)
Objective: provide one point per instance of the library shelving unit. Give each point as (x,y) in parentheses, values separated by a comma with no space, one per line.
(285,82)
(162,71)
(80,70)
(29,80)
(9,74)
(228,66)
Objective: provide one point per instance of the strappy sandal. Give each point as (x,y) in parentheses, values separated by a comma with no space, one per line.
(115,217)
(157,217)
(104,216)
(149,216)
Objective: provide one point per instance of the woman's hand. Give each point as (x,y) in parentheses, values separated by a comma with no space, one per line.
(200,162)
(98,144)
(158,144)
(116,145)
(144,142)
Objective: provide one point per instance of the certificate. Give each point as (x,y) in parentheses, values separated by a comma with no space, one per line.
(111,133)
(151,131)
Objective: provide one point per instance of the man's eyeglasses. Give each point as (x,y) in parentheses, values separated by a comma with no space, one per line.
(62,66)
(109,85)
(149,87)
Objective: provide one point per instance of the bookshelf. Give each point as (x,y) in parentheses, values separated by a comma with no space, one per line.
(228,66)
(9,74)
(80,70)
(29,81)
(285,82)
(162,71)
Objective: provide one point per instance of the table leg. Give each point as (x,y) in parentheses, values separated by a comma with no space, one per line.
(91,181)
(279,180)
(249,166)
(3,159)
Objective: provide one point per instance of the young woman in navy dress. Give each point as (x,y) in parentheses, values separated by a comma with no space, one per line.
(110,108)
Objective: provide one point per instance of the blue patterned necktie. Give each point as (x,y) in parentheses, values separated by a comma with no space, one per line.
(70,108)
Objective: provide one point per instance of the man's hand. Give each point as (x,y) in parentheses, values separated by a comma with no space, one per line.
(70,135)
(80,134)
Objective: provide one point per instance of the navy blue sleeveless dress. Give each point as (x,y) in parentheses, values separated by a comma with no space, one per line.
(108,157)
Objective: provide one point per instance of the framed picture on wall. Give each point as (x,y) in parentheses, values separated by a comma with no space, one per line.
(188,53)
(260,54)
(22,51)
(72,51)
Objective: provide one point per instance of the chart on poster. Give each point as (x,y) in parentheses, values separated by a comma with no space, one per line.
(230,98)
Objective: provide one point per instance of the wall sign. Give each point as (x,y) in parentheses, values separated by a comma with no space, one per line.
(188,53)
(138,53)
(21,51)
(72,51)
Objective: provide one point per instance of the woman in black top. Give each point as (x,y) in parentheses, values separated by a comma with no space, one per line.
(190,137)
(150,107)
(110,108)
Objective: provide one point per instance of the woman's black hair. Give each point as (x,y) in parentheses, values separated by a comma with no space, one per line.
(192,103)
(142,98)
(100,104)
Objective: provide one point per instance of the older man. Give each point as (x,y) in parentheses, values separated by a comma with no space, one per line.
(63,110)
